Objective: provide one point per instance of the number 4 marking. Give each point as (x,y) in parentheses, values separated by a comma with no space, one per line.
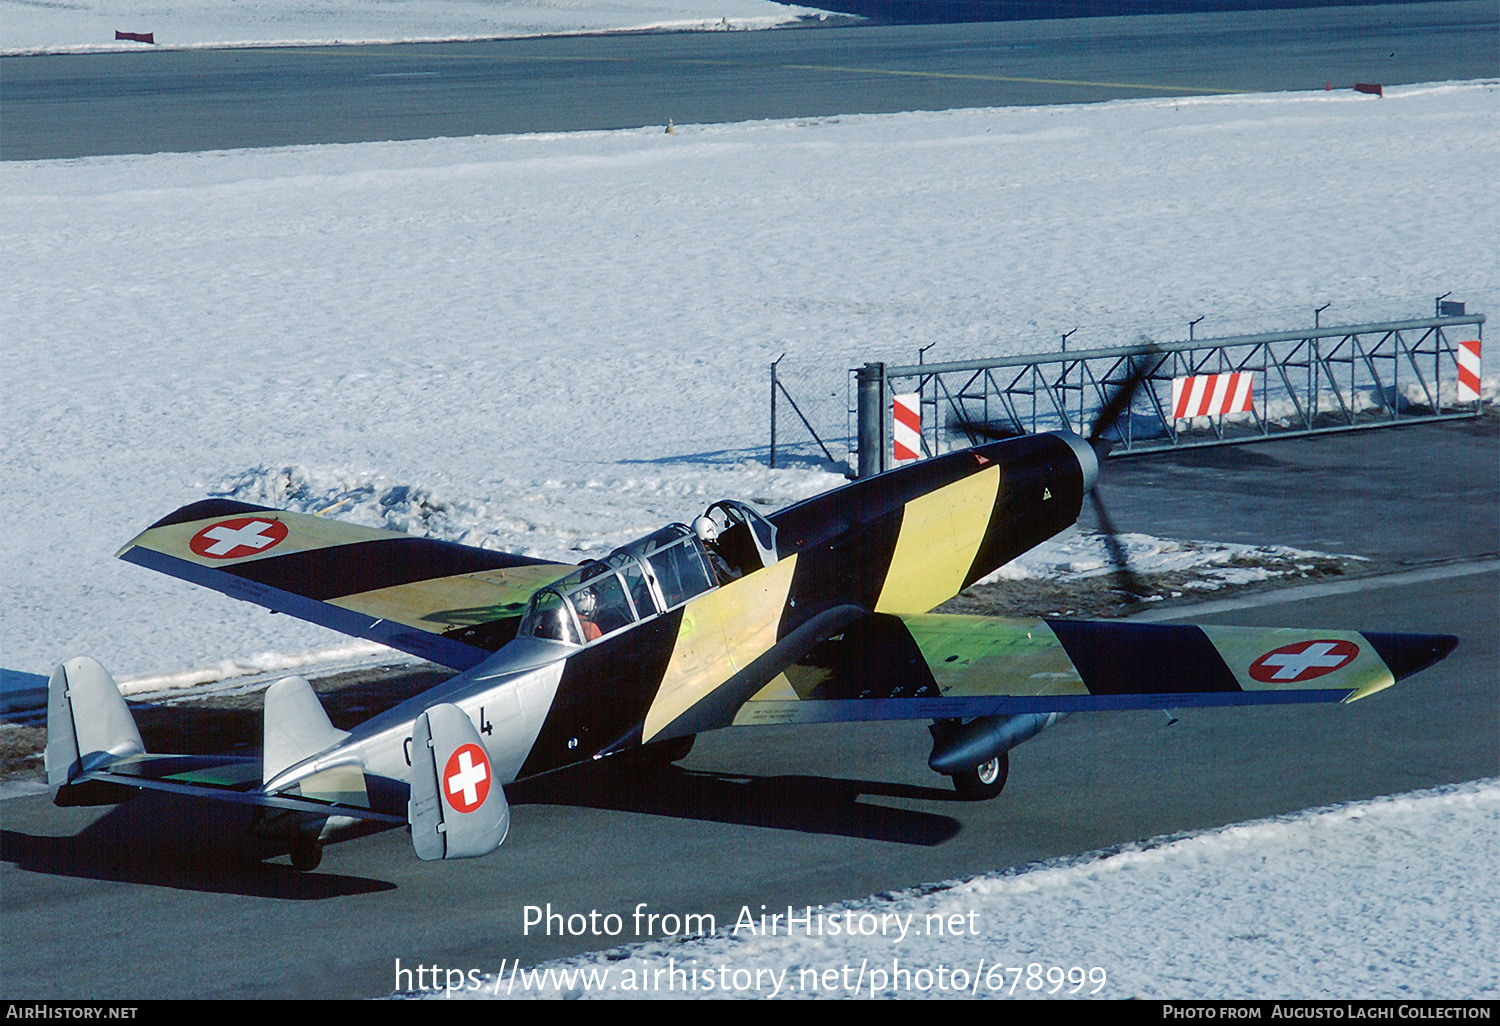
(485,726)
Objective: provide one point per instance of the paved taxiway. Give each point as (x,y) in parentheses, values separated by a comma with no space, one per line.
(74,105)
(110,901)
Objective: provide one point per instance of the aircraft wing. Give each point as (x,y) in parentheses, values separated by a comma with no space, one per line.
(450,603)
(886,667)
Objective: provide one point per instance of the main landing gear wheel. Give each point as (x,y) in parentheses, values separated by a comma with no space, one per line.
(306,855)
(984,781)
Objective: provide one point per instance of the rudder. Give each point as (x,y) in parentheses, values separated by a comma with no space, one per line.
(89,724)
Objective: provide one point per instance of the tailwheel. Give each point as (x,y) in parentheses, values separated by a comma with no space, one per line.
(306,854)
(984,781)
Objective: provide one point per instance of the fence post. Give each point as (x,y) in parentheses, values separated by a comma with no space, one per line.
(870,420)
(773,409)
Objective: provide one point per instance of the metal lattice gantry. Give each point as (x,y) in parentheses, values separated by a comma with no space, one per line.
(1289,383)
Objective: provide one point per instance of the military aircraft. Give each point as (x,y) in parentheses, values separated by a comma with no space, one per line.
(817,613)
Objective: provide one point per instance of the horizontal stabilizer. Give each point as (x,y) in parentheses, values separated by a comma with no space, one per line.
(95,754)
(233,779)
(457,809)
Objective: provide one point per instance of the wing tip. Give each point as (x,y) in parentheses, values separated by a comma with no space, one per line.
(1407,654)
(207,509)
(203,509)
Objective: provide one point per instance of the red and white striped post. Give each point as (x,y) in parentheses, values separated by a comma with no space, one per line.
(1468,371)
(906,411)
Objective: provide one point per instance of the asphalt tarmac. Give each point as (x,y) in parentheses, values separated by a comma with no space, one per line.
(111,900)
(73,105)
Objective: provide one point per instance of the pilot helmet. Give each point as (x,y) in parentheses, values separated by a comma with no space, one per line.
(705,529)
(585,602)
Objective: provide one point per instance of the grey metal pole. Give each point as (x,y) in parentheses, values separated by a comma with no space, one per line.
(773,410)
(870,385)
(922,399)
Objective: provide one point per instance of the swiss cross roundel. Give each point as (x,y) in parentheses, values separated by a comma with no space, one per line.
(233,539)
(466,778)
(1303,660)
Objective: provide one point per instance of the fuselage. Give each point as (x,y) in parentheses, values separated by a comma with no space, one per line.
(678,661)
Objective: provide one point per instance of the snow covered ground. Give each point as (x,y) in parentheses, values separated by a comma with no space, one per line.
(554,343)
(1354,901)
(27,26)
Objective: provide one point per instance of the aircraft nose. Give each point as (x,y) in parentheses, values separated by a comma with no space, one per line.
(1088,456)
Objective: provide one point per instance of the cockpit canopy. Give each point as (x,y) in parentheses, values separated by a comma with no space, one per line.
(653,575)
(747,540)
(660,572)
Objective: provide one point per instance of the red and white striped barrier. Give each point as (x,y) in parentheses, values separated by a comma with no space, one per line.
(1208,395)
(1468,371)
(906,411)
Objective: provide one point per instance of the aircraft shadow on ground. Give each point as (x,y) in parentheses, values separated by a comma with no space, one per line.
(179,842)
(814,805)
(164,840)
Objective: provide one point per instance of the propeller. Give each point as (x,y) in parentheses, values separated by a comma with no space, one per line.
(1117,405)
(1140,368)
(1124,580)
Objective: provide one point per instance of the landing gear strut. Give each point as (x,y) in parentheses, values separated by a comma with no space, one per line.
(984,781)
(664,753)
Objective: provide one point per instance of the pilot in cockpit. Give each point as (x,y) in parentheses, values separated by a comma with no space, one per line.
(708,533)
(585,603)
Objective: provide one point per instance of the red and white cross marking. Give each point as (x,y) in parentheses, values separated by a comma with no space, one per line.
(906,411)
(242,536)
(1207,395)
(1303,660)
(1468,371)
(466,778)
